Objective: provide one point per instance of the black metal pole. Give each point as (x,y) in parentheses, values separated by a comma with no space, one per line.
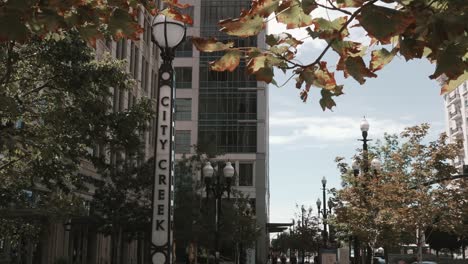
(218,195)
(324,217)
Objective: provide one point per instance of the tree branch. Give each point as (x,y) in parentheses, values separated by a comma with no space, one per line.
(351,18)
(9,64)
(11,162)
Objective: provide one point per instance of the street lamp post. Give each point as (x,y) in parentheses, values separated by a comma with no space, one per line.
(324,211)
(364,169)
(167,34)
(217,187)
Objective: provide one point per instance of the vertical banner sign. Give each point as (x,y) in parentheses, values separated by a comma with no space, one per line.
(162,221)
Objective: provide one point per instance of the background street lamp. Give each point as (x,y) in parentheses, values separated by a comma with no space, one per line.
(167,34)
(217,187)
(324,211)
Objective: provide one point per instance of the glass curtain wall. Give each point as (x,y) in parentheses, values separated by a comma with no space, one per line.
(227,100)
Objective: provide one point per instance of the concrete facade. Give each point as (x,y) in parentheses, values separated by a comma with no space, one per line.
(217,109)
(456,117)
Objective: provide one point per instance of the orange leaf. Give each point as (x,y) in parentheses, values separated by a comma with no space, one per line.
(211,44)
(175,14)
(228,62)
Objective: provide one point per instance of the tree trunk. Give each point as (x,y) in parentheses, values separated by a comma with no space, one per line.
(386,255)
(463,249)
(419,239)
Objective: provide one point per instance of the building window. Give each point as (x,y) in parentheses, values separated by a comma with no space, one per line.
(182,141)
(245,174)
(154,82)
(121,49)
(147,30)
(183,77)
(144,75)
(134,59)
(183,109)
(185,49)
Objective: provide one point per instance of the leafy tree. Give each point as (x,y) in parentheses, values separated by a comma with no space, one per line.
(122,202)
(305,235)
(55,109)
(382,205)
(22,20)
(194,214)
(414,29)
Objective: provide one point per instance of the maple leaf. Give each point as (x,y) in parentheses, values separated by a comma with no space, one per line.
(308,6)
(277,39)
(383,23)
(350,3)
(211,44)
(228,61)
(121,24)
(291,13)
(379,58)
(451,85)
(326,102)
(355,67)
(262,66)
(264,8)
(450,61)
(327,29)
(347,48)
(176,3)
(245,26)
(324,78)
(175,14)
(411,48)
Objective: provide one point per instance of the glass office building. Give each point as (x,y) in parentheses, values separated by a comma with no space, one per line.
(225,113)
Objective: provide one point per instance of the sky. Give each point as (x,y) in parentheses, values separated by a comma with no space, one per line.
(304,140)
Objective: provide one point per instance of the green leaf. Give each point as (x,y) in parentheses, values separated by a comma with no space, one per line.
(229,61)
(330,29)
(326,102)
(379,58)
(264,8)
(350,3)
(411,48)
(347,48)
(291,14)
(450,61)
(12,27)
(383,23)
(262,67)
(211,44)
(308,6)
(244,26)
(277,39)
(122,24)
(355,67)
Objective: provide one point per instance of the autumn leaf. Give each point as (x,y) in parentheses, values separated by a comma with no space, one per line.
(308,6)
(175,14)
(379,58)
(450,61)
(211,44)
(176,3)
(277,39)
(383,23)
(347,48)
(121,24)
(327,29)
(291,13)
(264,8)
(451,85)
(355,67)
(244,26)
(326,102)
(411,48)
(229,61)
(262,67)
(350,3)
(323,78)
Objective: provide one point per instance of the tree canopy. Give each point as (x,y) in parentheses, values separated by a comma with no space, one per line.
(432,29)
(381,207)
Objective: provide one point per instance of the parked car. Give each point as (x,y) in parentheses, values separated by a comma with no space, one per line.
(425,262)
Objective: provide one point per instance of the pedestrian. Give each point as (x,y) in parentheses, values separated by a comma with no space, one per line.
(274,258)
(293,259)
(283,259)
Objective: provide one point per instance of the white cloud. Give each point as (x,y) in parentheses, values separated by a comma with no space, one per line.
(286,128)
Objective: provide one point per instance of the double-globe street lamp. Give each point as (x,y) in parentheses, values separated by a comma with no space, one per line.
(217,187)
(363,168)
(325,212)
(167,34)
